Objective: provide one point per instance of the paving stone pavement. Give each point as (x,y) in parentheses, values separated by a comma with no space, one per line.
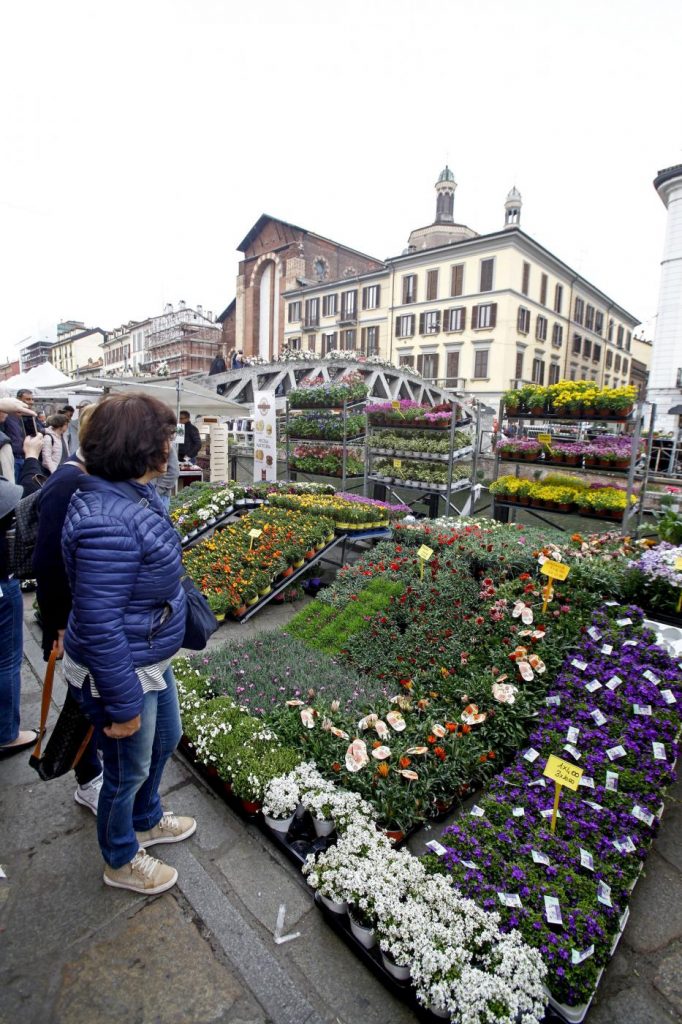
(74,951)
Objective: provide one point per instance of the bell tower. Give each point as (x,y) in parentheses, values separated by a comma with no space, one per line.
(445,191)
(512,208)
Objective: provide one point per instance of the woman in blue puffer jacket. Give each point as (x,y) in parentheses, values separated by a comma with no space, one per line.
(127,621)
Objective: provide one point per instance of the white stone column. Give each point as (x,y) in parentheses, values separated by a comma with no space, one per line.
(666,358)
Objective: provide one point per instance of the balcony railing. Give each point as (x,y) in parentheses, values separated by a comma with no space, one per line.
(311,324)
(348,316)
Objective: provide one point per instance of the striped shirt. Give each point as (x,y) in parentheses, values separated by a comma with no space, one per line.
(150,676)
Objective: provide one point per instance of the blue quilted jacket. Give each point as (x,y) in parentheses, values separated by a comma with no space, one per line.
(123,563)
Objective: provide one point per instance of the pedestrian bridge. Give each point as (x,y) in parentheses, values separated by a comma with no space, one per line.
(384,382)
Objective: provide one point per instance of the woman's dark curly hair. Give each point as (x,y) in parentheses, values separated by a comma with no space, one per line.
(127,435)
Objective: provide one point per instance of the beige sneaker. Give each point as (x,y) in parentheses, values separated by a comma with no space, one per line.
(171,829)
(143,874)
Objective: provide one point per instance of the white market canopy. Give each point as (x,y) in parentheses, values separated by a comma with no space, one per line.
(45,375)
(180,393)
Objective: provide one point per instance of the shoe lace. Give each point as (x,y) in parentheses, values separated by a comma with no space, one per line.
(144,863)
(169,821)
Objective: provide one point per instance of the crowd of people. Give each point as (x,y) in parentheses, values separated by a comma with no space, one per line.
(107,564)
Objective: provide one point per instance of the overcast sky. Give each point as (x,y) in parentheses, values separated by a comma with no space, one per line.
(142,139)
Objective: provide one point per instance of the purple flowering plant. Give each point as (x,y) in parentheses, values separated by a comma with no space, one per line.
(599,843)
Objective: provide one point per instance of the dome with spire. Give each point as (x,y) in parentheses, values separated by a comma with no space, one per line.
(446,175)
(514,195)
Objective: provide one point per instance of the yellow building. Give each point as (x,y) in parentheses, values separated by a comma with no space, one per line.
(480,313)
(77,349)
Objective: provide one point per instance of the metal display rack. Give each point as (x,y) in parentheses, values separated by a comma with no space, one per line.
(637,467)
(434,492)
(345,442)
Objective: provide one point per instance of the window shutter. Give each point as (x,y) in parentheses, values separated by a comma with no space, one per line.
(378,288)
(463,320)
(421,323)
(420,363)
(474,317)
(364,298)
(412,323)
(493,314)
(438,321)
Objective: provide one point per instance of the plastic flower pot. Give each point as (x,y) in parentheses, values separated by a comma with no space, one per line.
(323,827)
(252,600)
(336,908)
(289,571)
(251,806)
(362,933)
(299,562)
(281,825)
(396,971)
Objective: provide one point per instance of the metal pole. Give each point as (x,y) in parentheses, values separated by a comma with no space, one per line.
(647,463)
(286,424)
(345,443)
(631,470)
(453,419)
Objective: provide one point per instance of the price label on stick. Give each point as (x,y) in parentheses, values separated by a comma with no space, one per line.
(678,564)
(396,406)
(253,535)
(423,554)
(544,438)
(564,774)
(555,570)
(397,463)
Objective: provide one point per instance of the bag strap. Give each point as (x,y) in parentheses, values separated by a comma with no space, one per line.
(45,703)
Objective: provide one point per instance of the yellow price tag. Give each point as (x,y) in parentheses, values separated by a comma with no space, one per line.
(678,564)
(397,463)
(555,570)
(424,552)
(255,533)
(544,438)
(563,772)
(396,406)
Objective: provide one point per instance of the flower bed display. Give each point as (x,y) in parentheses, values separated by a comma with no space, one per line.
(418,442)
(327,460)
(345,513)
(656,579)
(410,414)
(394,511)
(411,471)
(195,505)
(233,569)
(326,426)
(607,452)
(441,674)
(614,711)
(564,494)
(571,399)
(318,394)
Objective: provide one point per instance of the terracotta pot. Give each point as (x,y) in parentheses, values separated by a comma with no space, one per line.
(590,460)
(588,411)
(571,460)
(562,506)
(310,554)
(395,834)
(536,503)
(537,410)
(240,611)
(251,806)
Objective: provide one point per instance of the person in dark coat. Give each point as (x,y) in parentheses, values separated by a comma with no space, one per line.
(20,425)
(127,622)
(191,446)
(217,366)
(54,594)
(12,737)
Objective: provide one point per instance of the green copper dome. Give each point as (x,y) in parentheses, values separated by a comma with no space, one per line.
(446,174)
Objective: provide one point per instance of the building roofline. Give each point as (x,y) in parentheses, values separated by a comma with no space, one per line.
(667,174)
(257,227)
(508,234)
(337,281)
(225,313)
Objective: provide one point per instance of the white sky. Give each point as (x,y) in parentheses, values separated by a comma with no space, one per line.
(142,139)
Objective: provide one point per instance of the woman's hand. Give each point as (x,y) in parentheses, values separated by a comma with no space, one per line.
(58,644)
(16,406)
(121,730)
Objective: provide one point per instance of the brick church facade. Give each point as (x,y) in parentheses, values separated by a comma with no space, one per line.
(279,256)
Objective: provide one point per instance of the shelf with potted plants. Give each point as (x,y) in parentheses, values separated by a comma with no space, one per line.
(614,454)
(417,446)
(325,423)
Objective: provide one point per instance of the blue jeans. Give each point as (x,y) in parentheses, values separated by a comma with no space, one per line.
(11,645)
(18,467)
(129,800)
